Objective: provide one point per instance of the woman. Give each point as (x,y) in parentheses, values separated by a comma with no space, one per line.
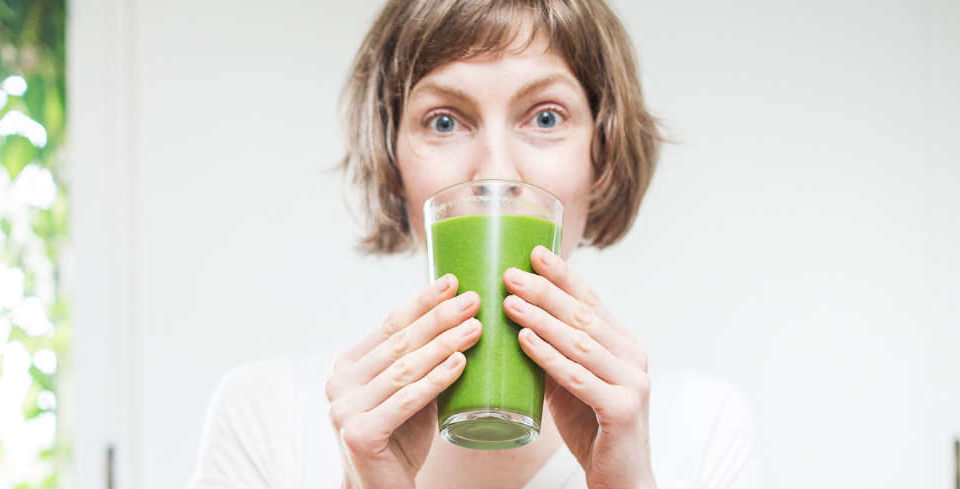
(446,91)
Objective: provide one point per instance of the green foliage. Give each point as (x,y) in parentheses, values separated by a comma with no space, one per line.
(50,482)
(44,380)
(30,408)
(30,343)
(32,45)
(51,225)
(16,152)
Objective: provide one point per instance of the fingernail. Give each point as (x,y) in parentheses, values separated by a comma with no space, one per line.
(466,301)
(530,337)
(451,361)
(469,327)
(547,257)
(515,276)
(518,304)
(442,284)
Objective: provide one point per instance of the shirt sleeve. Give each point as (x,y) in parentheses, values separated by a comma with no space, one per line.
(729,458)
(252,436)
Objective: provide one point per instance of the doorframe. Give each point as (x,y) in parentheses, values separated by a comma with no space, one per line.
(102,276)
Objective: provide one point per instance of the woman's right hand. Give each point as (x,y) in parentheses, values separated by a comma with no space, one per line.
(382,390)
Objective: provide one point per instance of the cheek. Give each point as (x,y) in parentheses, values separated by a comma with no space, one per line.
(423,174)
(567,172)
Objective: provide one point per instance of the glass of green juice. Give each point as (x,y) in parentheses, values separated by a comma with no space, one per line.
(476,230)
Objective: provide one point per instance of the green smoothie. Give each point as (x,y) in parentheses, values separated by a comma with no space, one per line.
(498,374)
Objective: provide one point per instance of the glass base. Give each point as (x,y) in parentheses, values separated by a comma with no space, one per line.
(489,429)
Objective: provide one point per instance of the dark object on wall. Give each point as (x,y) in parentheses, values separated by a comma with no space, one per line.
(956,462)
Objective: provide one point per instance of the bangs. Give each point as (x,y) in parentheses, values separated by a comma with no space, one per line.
(459,30)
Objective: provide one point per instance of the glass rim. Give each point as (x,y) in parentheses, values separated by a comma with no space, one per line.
(426,203)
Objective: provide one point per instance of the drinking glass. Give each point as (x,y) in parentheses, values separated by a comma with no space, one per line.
(476,230)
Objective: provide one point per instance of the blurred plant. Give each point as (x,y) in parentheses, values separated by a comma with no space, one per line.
(34,314)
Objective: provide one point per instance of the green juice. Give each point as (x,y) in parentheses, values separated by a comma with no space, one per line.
(498,374)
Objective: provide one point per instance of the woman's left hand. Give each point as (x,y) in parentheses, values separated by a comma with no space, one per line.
(597,386)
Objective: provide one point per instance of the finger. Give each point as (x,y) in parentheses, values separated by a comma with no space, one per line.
(574,377)
(380,422)
(615,405)
(448,314)
(404,371)
(541,292)
(440,290)
(556,270)
(574,344)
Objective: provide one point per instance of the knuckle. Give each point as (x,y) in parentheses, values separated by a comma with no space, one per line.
(563,277)
(577,379)
(553,357)
(399,343)
(448,343)
(436,381)
(391,324)
(590,297)
(619,413)
(400,372)
(337,414)
(643,360)
(583,316)
(632,406)
(356,438)
(407,401)
(539,286)
(623,411)
(643,385)
(636,354)
(426,300)
(447,312)
(331,389)
(444,345)
(582,343)
(339,361)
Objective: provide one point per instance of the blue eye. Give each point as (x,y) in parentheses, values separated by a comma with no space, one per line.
(443,123)
(546,119)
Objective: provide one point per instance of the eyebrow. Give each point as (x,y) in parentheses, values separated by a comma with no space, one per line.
(526,90)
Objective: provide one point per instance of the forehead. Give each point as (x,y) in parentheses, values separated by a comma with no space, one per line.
(525,58)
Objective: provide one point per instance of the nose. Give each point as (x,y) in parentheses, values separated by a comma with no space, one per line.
(511,191)
(493,159)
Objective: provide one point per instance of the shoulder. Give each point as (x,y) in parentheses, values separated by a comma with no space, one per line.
(270,378)
(725,411)
(705,428)
(697,396)
(272,385)
(716,397)
(256,394)
(729,451)
(694,395)
(253,435)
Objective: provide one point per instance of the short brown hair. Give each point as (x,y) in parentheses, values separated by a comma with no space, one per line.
(412,37)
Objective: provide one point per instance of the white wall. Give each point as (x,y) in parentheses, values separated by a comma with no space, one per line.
(800,241)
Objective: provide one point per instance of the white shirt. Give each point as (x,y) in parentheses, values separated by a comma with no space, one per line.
(267,428)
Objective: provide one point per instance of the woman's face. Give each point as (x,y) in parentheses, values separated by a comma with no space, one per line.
(518,116)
